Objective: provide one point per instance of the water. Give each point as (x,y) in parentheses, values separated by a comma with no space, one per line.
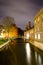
(20,53)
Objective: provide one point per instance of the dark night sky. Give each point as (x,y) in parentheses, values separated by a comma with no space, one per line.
(22,10)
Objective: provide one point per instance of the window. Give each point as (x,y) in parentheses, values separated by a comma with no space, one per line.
(35,36)
(38,36)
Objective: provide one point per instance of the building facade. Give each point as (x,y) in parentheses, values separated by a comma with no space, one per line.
(29,35)
(38,26)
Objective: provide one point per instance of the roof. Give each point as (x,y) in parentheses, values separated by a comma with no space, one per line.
(38,14)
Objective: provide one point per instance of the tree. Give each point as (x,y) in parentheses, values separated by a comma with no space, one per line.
(7,23)
(28,25)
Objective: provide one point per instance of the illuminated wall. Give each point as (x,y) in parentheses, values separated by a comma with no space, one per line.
(29,34)
(38,26)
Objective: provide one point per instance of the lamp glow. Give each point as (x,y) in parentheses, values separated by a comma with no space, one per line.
(27,36)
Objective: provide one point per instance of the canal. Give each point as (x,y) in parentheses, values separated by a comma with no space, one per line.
(20,53)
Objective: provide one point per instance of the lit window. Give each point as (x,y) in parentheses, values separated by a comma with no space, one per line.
(38,36)
(35,36)
(27,35)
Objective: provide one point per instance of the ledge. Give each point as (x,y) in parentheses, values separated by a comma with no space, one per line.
(4,45)
(37,44)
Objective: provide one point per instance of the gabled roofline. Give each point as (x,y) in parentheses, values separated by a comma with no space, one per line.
(38,14)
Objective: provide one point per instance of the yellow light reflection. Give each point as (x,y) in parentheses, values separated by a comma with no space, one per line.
(28,52)
(38,58)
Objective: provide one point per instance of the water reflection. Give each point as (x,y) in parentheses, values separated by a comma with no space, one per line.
(20,53)
(33,55)
(28,52)
(38,58)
